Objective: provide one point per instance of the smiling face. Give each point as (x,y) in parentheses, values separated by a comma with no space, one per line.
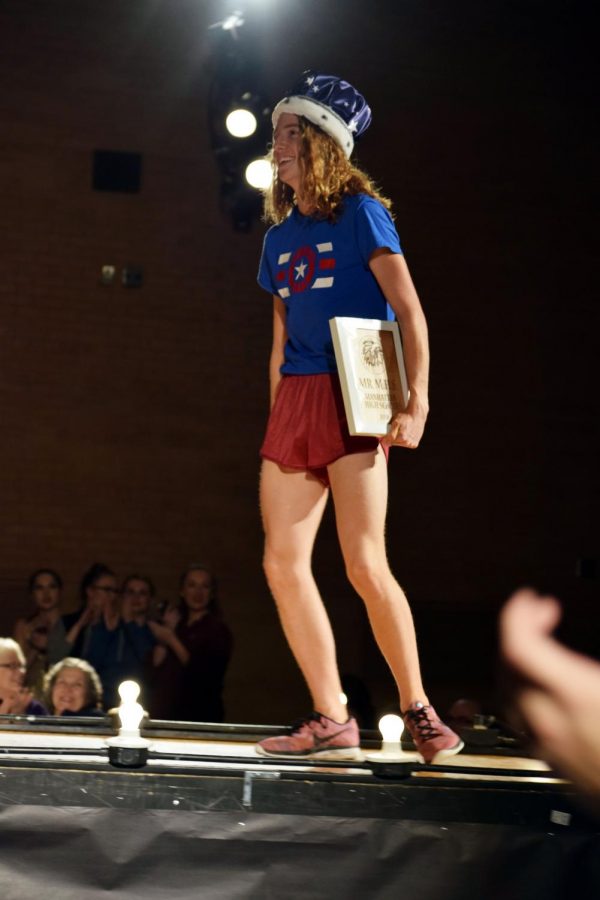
(287,146)
(70,691)
(12,672)
(196,590)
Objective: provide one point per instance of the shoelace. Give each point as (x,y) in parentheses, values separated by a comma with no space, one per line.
(420,719)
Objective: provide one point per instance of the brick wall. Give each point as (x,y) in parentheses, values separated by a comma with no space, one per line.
(131,418)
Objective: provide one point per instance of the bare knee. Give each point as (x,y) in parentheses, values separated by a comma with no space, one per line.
(282,570)
(369,578)
(272,566)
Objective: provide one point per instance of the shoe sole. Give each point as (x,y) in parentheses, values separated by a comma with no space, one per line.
(443,754)
(343,753)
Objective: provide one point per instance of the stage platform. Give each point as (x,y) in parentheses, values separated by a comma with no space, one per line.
(207,817)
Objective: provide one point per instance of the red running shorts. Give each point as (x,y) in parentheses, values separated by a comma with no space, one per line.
(307,429)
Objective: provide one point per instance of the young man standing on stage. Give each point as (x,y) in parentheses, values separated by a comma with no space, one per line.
(333,250)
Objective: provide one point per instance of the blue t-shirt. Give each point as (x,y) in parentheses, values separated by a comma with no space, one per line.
(321,270)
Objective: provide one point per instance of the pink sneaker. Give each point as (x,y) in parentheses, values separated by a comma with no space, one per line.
(316,737)
(431,737)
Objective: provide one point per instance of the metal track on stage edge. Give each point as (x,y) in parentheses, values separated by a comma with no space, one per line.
(198,748)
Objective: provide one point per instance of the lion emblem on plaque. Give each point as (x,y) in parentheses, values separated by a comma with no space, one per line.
(371,353)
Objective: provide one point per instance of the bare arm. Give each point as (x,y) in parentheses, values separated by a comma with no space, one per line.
(393,277)
(168,638)
(84,619)
(278,345)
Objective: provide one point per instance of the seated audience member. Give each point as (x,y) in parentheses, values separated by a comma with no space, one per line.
(558,690)
(15,699)
(72,688)
(192,690)
(37,633)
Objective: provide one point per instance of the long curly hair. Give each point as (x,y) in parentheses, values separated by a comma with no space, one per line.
(327,176)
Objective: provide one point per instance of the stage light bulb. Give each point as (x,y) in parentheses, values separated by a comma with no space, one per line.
(241,123)
(131,712)
(259,174)
(391,728)
(343,699)
(129,691)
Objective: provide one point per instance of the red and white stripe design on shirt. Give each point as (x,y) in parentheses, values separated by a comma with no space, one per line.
(296,270)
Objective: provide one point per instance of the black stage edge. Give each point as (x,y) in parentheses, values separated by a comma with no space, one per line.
(229,827)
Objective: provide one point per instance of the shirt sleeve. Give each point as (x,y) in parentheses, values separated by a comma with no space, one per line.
(265,276)
(374,229)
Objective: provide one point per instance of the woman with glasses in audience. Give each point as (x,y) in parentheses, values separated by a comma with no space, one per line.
(93,632)
(15,699)
(98,586)
(117,642)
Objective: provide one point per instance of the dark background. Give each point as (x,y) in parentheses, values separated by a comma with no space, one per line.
(132,417)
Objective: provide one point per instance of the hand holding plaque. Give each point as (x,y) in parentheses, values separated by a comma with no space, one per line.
(372,374)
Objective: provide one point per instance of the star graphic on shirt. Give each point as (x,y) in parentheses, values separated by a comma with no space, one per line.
(300,270)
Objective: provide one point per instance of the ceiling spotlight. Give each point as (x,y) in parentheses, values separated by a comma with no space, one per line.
(259,174)
(231,23)
(241,123)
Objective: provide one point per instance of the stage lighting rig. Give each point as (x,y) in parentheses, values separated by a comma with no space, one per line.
(239,118)
(259,174)
(241,122)
(232,23)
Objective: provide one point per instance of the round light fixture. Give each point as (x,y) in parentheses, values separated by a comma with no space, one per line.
(259,174)
(241,123)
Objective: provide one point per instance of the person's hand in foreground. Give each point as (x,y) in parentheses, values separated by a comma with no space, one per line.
(559,694)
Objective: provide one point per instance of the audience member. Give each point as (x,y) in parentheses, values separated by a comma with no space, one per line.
(37,632)
(118,643)
(192,690)
(558,690)
(93,633)
(142,633)
(72,688)
(15,699)
(97,582)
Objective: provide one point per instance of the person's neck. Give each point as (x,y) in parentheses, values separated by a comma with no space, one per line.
(196,616)
(304,208)
(50,616)
(111,618)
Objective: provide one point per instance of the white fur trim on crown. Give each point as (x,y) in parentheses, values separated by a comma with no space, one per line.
(318,114)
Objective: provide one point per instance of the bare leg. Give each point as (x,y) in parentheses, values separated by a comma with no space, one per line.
(292,505)
(359,488)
